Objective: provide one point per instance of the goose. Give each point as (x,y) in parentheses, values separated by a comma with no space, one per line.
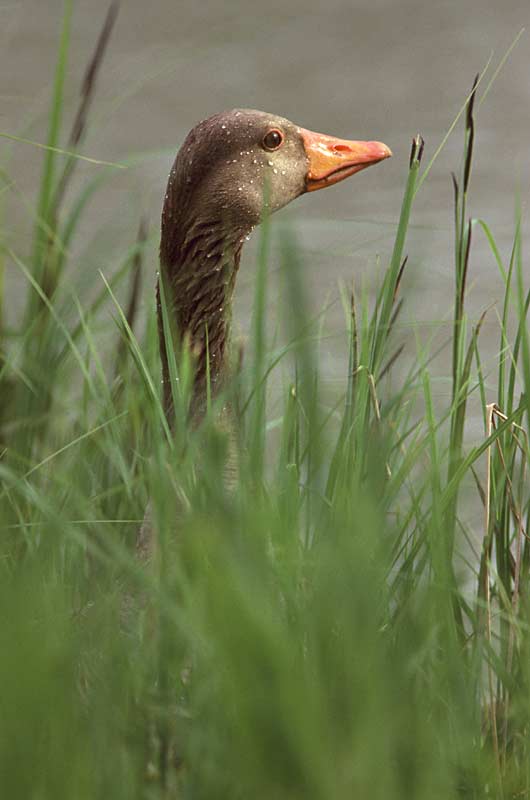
(233,168)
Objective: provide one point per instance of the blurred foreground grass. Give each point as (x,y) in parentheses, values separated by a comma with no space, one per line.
(325,631)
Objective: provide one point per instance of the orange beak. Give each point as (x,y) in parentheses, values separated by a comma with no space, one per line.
(331,160)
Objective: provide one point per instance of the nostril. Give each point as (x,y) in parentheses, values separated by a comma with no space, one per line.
(342,148)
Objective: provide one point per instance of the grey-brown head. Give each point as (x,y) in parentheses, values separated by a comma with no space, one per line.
(234,165)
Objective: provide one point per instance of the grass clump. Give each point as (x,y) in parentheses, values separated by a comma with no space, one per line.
(322,631)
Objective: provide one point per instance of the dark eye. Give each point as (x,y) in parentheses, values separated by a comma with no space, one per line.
(273,139)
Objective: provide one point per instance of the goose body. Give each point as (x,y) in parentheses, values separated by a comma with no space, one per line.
(232,168)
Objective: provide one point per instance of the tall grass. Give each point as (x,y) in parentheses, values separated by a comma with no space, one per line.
(322,630)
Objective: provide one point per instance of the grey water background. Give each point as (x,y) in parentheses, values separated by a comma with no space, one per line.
(375,70)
